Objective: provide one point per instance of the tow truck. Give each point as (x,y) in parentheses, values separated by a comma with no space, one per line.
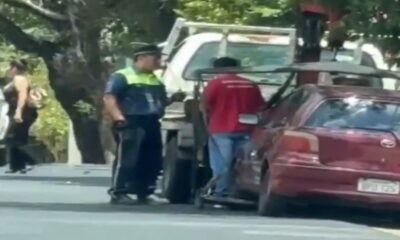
(192,46)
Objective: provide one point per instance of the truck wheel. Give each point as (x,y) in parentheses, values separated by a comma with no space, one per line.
(269,204)
(176,175)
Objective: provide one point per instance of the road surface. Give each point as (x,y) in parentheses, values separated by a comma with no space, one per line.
(66,203)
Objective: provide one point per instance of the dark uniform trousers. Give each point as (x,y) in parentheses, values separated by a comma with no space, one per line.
(139,156)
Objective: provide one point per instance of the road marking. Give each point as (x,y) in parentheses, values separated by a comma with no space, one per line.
(267,229)
(323,235)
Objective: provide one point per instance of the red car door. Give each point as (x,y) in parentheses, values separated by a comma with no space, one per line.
(274,121)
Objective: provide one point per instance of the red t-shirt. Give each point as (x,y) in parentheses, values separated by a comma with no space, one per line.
(226,97)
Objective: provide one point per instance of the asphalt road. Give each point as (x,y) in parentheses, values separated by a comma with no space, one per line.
(65,203)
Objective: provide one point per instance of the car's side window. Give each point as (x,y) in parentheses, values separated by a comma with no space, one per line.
(284,111)
(295,103)
(269,116)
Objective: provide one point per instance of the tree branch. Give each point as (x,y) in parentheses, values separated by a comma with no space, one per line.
(22,41)
(42,12)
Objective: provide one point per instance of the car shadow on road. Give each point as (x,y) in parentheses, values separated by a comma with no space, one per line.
(349,215)
(104,207)
(367,217)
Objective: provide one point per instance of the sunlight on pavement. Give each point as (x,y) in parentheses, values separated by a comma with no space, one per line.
(395,232)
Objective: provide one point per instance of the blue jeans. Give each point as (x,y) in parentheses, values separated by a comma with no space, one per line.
(222,149)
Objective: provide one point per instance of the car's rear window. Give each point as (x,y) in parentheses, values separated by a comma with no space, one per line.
(355,113)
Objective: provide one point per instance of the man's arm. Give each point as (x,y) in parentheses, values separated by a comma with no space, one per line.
(21,84)
(112,108)
(114,88)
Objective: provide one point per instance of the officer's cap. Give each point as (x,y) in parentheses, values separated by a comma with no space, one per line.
(149,49)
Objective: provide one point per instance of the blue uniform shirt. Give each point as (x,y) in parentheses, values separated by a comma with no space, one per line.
(137,99)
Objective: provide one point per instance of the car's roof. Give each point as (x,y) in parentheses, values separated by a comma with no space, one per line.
(331,67)
(351,91)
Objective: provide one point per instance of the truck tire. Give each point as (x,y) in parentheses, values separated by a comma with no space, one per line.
(269,204)
(176,181)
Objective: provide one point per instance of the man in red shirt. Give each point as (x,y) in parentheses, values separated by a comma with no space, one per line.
(225,98)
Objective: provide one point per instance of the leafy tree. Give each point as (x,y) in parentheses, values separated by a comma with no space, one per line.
(378,22)
(258,12)
(72,37)
(52,126)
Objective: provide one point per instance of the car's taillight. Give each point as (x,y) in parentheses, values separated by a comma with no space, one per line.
(298,147)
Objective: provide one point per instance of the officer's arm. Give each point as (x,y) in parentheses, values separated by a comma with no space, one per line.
(114,88)
(112,108)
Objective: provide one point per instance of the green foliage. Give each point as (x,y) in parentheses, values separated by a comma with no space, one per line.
(51,127)
(52,124)
(233,11)
(379,21)
(86,109)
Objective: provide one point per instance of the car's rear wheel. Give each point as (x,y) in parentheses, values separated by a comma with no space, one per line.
(269,204)
(176,182)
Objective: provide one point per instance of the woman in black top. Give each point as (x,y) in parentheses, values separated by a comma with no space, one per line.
(21,114)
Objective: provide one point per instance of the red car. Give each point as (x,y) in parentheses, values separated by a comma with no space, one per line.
(324,143)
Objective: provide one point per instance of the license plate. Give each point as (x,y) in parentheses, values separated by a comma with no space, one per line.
(378,186)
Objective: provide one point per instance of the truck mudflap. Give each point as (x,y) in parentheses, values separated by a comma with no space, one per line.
(184,131)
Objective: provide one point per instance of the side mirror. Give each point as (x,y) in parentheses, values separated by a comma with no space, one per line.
(249,119)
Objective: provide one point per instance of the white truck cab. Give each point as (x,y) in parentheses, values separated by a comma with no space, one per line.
(198,51)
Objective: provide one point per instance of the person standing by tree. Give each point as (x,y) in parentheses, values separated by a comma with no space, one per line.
(135,99)
(23,115)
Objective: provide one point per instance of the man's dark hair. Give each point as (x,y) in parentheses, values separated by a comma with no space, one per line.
(342,80)
(149,49)
(226,62)
(21,65)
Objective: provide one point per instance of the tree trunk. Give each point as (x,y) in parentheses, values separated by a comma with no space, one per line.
(66,81)
(78,82)
(74,61)
(88,139)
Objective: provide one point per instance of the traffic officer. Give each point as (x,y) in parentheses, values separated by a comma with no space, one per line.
(135,99)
